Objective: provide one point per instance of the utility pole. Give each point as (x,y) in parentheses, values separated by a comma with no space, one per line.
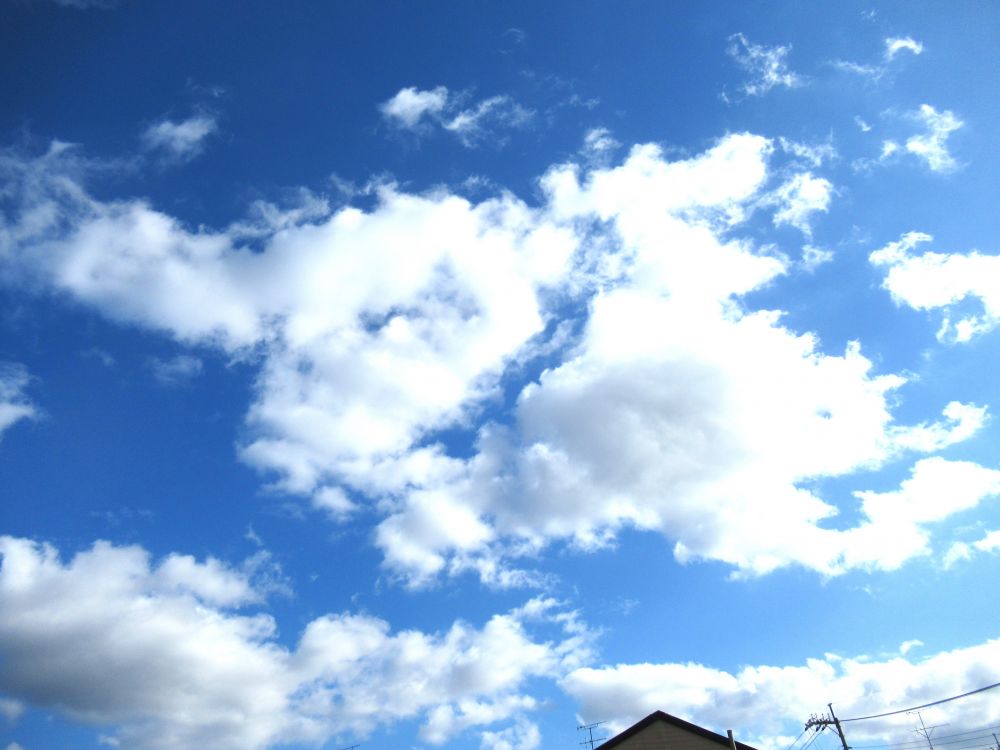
(591,740)
(826,721)
(926,730)
(996,740)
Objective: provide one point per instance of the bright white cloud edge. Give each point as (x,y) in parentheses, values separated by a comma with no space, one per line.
(948,282)
(764,702)
(377,328)
(165,655)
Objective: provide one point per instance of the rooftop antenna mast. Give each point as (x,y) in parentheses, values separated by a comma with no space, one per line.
(924,729)
(591,739)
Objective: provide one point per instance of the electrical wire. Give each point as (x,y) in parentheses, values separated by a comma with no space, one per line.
(797,738)
(938,740)
(926,705)
(813,738)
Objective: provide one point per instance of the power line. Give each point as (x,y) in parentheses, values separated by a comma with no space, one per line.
(812,739)
(797,738)
(926,705)
(918,742)
(948,739)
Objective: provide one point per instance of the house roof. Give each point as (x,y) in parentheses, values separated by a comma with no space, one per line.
(680,723)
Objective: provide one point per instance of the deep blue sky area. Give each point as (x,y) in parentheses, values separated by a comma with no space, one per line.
(449,375)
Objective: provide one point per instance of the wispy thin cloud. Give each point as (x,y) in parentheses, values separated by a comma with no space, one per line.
(767,66)
(932,145)
(875,71)
(421,111)
(179,140)
(177,370)
(14,403)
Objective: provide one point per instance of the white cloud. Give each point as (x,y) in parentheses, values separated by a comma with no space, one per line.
(762,702)
(875,72)
(701,422)
(524,735)
(478,123)
(813,257)
(766,65)
(704,421)
(598,143)
(863,126)
(177,370)
(907,646)
(410,106)
(813,155)
(211,581)
(14,404)
(959,551)
(896,44)
(943,281)
(932,146)
(159,654)
(376,327)
(417,110)
(962,422)
(893,46)
(798,198)
(11,709)
(179,140)
(895,526)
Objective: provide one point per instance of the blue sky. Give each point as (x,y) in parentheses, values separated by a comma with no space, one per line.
(449,376)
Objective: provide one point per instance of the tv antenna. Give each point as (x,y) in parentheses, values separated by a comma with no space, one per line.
(591,739)
(924,729)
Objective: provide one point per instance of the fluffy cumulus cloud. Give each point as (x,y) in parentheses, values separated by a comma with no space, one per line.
(524,735)
(959,551)
(419,111)
(167,657)
(179,139)
(376,327)
(410,106)
(964,286)
(766,66)
(14,403)
(895,526)
(798,198)
(761,702)
(669,406)
(702,421)
(929,146)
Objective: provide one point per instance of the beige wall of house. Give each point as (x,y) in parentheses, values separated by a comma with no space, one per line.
(663,736)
